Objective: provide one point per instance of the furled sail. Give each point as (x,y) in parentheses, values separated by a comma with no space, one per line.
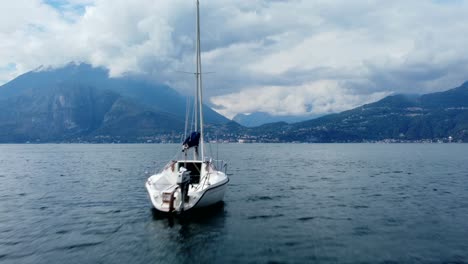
(192,141)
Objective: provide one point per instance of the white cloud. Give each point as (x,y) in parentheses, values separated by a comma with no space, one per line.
(320,97)
(349,49)
(291,56)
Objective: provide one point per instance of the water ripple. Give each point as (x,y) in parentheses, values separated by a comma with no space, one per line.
(321,203)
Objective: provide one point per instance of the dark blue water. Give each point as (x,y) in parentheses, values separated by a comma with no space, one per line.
(291,203)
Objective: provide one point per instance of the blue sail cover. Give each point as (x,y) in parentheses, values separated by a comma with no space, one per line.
(192,141)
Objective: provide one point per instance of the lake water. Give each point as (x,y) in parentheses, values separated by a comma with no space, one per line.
(286,203)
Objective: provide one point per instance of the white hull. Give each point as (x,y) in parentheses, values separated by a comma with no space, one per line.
(212,196)
(209,191)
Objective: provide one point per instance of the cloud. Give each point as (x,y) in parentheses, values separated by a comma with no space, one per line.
(320,97)
(292,57)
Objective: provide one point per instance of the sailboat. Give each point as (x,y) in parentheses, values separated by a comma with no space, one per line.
(193,180)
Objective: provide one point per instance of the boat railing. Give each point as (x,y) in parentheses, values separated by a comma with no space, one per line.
(220,165)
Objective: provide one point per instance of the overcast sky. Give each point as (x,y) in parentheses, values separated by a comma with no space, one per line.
(278,56)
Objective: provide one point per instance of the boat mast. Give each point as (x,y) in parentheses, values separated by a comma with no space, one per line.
(197,73)
(199,83)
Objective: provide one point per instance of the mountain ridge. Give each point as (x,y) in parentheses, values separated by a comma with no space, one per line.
(79,103)
(399,117)
(260,118)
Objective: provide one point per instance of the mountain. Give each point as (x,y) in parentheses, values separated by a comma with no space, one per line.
(261,118)
(156,96)
(435,116)
(79,102)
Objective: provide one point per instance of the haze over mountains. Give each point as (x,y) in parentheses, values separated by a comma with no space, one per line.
(79,103)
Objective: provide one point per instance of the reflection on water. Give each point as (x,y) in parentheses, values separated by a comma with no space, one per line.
(188,236)
(204,216)
(299,203)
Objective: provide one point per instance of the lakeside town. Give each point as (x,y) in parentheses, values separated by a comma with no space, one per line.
(236,139)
